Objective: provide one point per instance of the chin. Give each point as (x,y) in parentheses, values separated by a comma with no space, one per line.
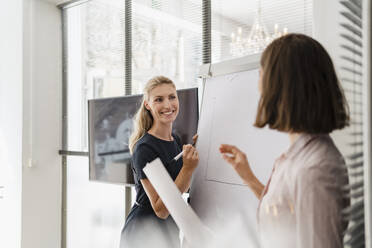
(170,121)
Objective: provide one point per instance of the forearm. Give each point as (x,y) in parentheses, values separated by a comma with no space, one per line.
(255,185)
(160,210)
(183,179)
(182,182)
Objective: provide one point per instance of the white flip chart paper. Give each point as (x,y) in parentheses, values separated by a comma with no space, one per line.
(218,195)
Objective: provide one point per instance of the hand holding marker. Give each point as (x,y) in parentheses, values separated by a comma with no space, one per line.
(195,138)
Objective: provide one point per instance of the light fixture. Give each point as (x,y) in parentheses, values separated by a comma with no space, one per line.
(257,39)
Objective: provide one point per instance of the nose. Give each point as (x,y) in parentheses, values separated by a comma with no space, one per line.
(167,103)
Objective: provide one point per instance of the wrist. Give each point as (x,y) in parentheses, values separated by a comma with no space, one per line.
(186,168)
(250,180)
(255,185)
(189,166)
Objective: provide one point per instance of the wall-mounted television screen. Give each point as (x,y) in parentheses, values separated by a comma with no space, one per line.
(110,123)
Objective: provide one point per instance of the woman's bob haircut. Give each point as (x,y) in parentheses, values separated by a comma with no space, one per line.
(300,90)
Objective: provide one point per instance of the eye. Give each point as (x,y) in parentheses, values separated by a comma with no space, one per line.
(158,99)
(172,97)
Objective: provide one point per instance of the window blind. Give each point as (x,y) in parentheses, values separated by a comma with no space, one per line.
(352,79)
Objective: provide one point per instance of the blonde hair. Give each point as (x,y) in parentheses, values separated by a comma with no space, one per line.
(143,119)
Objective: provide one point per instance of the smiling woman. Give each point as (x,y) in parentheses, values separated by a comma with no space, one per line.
(163,106)
(153,138)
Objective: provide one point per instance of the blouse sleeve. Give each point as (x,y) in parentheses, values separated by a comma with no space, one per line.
(318,209)
(141,156)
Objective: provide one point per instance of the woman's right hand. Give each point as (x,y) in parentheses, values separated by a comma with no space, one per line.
(190,157)
(238,160)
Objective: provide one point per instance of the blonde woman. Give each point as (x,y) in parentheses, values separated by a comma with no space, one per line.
(148,222)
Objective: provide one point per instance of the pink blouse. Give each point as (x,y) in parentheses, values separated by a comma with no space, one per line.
(302,202)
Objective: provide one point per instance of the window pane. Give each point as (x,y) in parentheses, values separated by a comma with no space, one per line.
(95,61)
(95,211)
(95,69)
(167,40)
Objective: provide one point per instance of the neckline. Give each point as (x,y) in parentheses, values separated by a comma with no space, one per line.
(162,140)
(301,142)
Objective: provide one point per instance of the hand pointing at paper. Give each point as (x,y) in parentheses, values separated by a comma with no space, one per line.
(239,162)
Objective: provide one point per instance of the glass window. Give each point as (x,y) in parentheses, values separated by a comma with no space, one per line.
(95,61)
(95,211)
(167,40)
(95,68)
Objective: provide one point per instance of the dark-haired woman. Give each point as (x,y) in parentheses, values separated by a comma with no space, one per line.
(301,204)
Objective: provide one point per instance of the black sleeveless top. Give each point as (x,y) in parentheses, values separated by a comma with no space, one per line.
(142,227)
(146,150)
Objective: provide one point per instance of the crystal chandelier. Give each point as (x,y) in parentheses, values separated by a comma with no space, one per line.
(257,39)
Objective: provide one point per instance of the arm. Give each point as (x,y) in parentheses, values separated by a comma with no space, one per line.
(183,180)
(239,162)
(318,209)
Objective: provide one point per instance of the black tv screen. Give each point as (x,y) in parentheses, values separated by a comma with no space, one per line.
(110,123)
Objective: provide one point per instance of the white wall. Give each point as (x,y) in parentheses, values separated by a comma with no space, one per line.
(367,19)
(326,23)
(326,30)
(10,122)
(33,58)
(41,189)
